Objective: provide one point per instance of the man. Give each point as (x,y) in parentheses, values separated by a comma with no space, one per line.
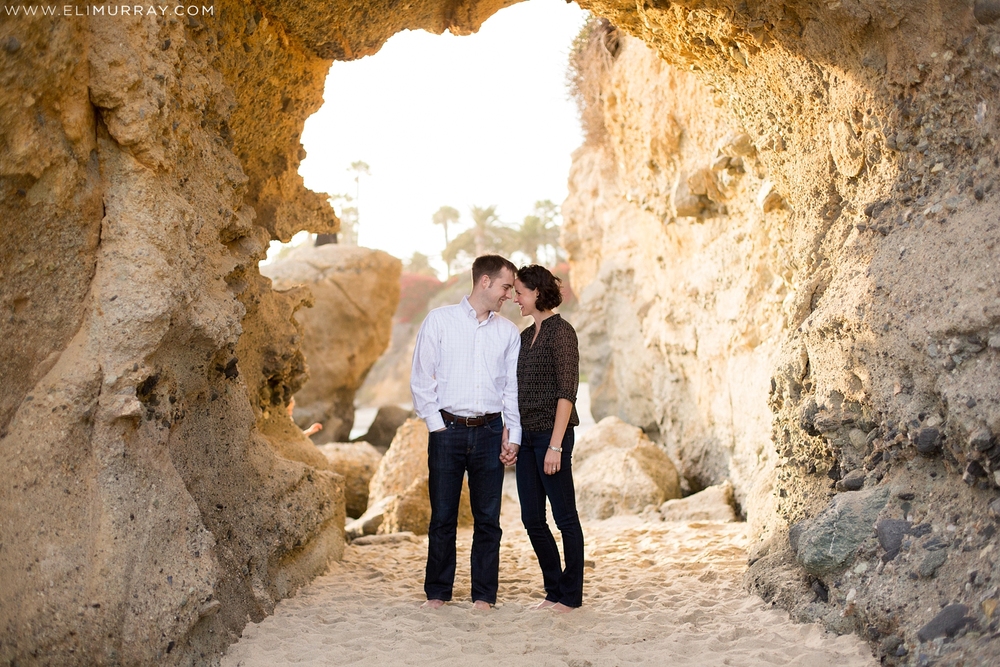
(464,377)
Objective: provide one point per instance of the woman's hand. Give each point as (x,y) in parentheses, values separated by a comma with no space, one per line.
(553,462)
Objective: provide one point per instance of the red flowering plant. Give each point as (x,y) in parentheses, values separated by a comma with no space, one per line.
(415,291)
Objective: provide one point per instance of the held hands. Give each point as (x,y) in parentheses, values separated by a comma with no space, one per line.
(508,451)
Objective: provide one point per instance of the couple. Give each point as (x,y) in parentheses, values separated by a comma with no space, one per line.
(476,382)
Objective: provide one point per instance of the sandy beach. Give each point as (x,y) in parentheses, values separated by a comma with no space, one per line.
(656,593)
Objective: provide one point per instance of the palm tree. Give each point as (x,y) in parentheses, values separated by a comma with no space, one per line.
(444,215)
(538,233)
(487,234)
(359,167)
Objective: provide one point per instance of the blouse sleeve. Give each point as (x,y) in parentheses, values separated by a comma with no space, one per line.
(567,361)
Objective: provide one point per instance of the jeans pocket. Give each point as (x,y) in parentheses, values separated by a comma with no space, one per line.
(495,426)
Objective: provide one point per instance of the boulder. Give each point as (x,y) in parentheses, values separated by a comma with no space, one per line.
(403,475)
(369,522)
(712,504)
(618,470)
(355,291)
(409,510)
(383,429)
(828,541)
(357,462)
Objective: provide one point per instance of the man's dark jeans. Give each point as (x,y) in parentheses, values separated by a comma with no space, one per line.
(533,486)
(450,454)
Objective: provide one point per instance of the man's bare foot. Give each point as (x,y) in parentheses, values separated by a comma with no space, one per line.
(482,604)
(432,604)
(560,608)
(544,604)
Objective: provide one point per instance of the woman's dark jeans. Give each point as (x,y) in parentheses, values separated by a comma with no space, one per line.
(450,453)
(533,486)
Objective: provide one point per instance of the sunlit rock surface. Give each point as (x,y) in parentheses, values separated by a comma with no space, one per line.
(354,294)
(784,233)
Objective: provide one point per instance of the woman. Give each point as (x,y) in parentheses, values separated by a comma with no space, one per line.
(548,371)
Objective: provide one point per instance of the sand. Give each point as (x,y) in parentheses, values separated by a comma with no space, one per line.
(656,594)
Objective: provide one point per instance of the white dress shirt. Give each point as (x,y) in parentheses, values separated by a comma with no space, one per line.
(466,367)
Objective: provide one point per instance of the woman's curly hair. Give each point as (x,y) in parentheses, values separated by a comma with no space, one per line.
(548,286)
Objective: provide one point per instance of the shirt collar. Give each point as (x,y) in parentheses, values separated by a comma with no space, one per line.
(472,311)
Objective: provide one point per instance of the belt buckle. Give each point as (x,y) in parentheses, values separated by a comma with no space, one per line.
(465,420)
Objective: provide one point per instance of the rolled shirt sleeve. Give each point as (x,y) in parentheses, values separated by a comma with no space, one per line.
(511,412)
(423,375)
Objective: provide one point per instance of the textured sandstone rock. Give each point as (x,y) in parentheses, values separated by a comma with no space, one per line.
(403,474)
(356,462)
(618,470)
(819,304)
(383,428)
(712,504)
(355,291)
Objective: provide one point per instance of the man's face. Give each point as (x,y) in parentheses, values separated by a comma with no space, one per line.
(498,289)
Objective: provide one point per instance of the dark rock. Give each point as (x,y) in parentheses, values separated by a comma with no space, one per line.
(906,495)
(852,481)
(383,429)
(920,529)
(981,440)
(986,11)
(889,645)
(821,591)
(901,651)
(973,471)
(12,44)
(935,544)
(890,534)
(949,621)
(927,440)
(931,562)
(994,508)
(828,541)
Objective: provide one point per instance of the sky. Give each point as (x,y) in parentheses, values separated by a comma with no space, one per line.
(441,120)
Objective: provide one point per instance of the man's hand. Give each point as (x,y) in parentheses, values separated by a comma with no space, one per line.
(315,428)
(508,451)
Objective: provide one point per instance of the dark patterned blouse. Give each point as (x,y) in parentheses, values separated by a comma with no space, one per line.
(547,371)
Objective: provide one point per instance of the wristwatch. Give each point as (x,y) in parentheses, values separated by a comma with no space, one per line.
(556,449)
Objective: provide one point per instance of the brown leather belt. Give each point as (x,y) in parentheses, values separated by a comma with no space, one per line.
(479,420)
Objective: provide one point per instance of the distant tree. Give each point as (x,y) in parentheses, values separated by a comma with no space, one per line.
(420,264)
(487,235)
(442,217)
(538,235)
(359,168)
(347,211)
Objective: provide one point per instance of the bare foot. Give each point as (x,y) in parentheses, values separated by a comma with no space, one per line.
(482,604)
(432,604)
(544,604)
(560,608)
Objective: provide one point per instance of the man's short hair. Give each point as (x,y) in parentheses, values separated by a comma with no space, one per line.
(491,265)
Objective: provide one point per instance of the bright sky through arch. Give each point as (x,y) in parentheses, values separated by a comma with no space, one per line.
(444,120)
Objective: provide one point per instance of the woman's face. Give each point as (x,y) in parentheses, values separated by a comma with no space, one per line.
(524,298)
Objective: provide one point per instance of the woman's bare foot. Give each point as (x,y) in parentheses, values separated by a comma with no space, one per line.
(560,608)
(432,604)
(482,604)
(544,604)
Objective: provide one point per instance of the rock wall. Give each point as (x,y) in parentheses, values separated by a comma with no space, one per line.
(785,237)
(156,498)
(354,295)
